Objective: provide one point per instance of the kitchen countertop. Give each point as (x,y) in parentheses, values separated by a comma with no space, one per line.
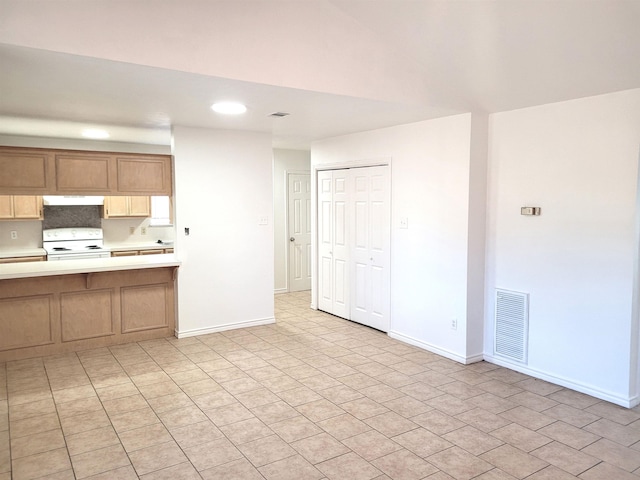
(68,267)
(23,252)
(119,247)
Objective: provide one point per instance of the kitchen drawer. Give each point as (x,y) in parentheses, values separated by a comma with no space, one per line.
(36,258)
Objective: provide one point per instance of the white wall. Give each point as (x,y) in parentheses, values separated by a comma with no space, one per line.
(284,161)
(249,41)
(82,144)
(223,186)
(117,231)
(430,169)
(578,161)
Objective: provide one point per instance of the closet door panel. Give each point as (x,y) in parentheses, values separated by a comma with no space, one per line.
(325,242)
(340,250)
(370,242)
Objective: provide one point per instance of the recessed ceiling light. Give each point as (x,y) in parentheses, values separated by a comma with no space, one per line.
(95,133)
(229,108)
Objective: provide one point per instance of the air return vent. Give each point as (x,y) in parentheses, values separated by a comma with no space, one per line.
(512,325)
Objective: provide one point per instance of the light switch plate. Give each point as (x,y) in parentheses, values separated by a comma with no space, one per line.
(263,221)
(535,211)
(404,222)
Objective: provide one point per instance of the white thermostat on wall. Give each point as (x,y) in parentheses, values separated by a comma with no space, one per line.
(530,211)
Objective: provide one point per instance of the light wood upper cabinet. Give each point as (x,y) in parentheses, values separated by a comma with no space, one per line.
(146,175)
(6,207)
(20,207)
(26,171)
(126,206)
(140,206)
(83,173)
(31,171)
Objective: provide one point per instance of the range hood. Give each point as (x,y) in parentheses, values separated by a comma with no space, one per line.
(64,200)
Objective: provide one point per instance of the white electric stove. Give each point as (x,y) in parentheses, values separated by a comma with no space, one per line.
(74,243)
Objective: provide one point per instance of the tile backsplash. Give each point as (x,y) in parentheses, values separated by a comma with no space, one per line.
(71,216)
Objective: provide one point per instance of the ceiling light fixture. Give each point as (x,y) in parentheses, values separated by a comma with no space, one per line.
(95,133)
(229,108)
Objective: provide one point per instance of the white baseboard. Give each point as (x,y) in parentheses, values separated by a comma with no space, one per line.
(628,402)
(440,351)
(221,328)
(278,291)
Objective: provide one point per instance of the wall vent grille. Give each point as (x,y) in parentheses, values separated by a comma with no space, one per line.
(512,325)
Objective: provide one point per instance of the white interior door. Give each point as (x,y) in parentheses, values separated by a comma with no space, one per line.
(370,240)
(333,247)
(354,244)
(299,229)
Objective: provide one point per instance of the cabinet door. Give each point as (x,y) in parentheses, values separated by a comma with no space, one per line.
(27,207)
(116,207)
(83,173)
(25,171)
(139,207)
(125,253)
(151,252)
(23,259)
(144,175)
(6,207)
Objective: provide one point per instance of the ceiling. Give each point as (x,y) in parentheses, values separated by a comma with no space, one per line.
(480,56)
(57,95)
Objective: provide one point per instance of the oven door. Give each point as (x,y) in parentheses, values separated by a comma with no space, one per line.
(78,256)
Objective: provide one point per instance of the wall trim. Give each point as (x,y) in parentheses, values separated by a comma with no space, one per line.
(279,291)
(628,402)
(440,351)
(227,326)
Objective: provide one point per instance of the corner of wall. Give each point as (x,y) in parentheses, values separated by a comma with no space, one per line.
(477,227)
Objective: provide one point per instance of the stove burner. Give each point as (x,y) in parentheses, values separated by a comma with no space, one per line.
(61,249)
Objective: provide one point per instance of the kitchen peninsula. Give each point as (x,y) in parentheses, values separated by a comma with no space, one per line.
(49,308)
(56,307)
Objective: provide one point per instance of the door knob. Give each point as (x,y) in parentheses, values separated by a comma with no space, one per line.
(292,239)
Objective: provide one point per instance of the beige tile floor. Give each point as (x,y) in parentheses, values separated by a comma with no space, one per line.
(310,397)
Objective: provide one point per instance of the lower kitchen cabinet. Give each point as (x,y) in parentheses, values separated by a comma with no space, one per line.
(147,251)
(64,313)
(37,258)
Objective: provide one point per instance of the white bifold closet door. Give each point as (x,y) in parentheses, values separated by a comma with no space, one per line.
(354,244)
(333,242)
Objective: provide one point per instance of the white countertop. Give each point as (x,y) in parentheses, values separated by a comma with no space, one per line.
(68,267)
(22,252)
